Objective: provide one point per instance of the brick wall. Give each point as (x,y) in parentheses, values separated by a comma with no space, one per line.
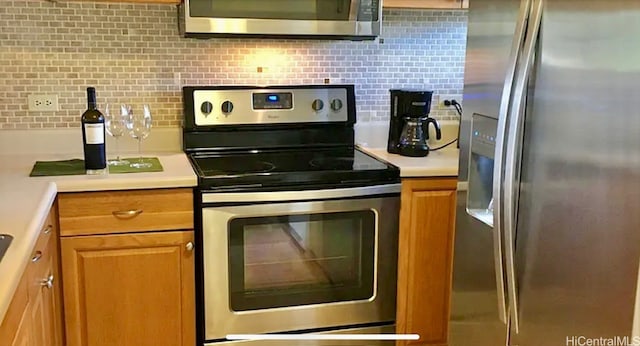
(133,53)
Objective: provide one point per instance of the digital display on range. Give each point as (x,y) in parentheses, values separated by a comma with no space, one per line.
(273,100)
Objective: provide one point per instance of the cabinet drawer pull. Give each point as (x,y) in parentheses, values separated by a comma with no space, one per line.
(189,246)
(127,214)
(47,229)
(36,257)
(47,282)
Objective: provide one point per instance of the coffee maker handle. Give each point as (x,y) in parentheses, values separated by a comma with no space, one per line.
(436,125)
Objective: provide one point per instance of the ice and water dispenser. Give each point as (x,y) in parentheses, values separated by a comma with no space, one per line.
(481,158)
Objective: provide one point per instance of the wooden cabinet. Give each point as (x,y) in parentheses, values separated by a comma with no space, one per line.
(425,258)
(35,314)
(23,331)
(124,287)
(44,288)
(16,326)
(434,4)
(144,1)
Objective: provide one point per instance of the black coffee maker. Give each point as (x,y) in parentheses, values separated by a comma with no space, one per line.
(409,123)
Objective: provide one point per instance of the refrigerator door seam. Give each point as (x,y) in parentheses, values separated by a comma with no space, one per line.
(516,123)
(519,36)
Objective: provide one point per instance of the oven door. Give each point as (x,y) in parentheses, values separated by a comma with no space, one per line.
(282,17)
(294,262)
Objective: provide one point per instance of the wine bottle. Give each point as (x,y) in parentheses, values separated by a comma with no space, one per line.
(93,135)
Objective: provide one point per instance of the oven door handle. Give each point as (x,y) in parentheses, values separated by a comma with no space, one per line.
(304,195)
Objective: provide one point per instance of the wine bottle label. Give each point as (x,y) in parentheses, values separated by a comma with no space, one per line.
(94,133)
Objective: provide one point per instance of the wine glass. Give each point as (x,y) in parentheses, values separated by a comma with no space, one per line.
(116,118)
(139,126)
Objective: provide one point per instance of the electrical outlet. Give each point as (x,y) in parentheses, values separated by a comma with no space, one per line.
(43,103)
(444,98)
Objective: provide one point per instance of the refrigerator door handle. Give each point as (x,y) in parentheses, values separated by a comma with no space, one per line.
(518,39)
(511,178)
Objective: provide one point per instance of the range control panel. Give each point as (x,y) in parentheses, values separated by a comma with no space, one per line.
(270,105)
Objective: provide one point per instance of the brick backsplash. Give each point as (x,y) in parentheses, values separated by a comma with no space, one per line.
(134,53)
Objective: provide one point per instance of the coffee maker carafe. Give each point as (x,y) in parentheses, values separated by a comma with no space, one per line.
(409,123)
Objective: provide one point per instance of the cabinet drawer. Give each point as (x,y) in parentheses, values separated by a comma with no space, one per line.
(108,212)
(43,244)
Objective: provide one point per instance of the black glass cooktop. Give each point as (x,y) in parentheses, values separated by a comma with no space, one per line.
(296,167)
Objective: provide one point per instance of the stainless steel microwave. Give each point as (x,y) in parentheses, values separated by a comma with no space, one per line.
(337,19)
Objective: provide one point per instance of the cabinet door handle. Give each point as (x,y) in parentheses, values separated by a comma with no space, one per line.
(47,229)
(36,257)
(127,214)
(190,246)
(47,282)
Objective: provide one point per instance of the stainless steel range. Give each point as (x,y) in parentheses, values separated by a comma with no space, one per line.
(297,229)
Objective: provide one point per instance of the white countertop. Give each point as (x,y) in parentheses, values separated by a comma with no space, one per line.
(25,203)
(371,137)
(442,163)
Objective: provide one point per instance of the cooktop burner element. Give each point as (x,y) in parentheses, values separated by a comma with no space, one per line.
(232,166)
(332,162)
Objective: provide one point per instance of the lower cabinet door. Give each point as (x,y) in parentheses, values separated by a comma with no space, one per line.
(129,289)
(43,303)
(39,320)
(425,256)
(24,335)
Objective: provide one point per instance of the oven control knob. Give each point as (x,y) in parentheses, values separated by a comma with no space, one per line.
(227,107)
(317,105)
(206,108)
(336,105)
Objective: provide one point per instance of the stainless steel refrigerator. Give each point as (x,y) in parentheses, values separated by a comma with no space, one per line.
(547,245)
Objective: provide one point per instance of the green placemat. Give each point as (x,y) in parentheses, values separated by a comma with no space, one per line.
(76,167)
(64,167)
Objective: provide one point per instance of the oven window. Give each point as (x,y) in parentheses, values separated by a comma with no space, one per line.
(272,9)
(280,261)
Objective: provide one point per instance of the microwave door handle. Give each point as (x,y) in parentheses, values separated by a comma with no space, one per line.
(517,43)
(511,178)
(354,7)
